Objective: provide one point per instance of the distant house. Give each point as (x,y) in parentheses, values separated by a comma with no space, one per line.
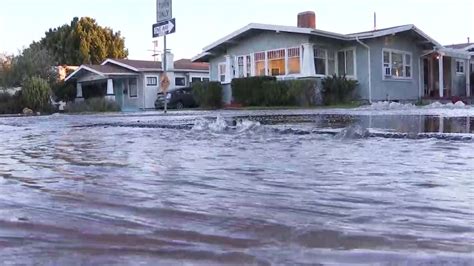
(398,63)
(134,84)
(64,71)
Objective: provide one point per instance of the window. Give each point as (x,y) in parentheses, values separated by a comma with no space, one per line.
(397,64)
(193,80)
(459,67)
(180,81)
(331,63)
(132,88)
(294,66)
(260,64)
(152,81)
(320,61)
(222,70)
(248,66)
(205,79)
(240,66)
(276,62)
(345,62)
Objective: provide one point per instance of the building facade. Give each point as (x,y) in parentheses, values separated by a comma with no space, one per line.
(400,63)
(134,84)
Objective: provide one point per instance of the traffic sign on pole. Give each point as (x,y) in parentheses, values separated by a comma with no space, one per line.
(164,28)
(164,10)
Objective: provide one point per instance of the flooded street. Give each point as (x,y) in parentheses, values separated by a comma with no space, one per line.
(244,188)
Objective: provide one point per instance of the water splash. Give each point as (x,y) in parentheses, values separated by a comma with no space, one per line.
(353,132)
(221,126)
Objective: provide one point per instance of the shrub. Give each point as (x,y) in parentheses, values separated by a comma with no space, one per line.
(10,104)
(93,105)
(300,92)
(250,91)
(338,89)
(208,94)
(64,91)
(36,94)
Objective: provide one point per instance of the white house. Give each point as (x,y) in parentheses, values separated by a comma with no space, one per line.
(134,84)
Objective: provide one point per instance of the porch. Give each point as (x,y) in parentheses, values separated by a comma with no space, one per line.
(449,68)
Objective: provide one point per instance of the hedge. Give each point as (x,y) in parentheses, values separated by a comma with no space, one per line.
(93,105)
(208,94)
(250,91)
(10,104)
(338,89)
(300,92)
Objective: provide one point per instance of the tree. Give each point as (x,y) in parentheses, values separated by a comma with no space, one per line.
(32,61)
(36,94)
(83,41)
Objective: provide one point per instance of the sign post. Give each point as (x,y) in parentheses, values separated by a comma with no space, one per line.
(165,25)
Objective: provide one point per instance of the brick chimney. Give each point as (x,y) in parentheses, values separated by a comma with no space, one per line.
(307,20)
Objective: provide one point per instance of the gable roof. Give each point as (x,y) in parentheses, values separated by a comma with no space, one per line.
(253,27)
(142,65)
(101,70)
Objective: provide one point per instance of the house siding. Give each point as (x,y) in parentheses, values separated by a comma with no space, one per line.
(402,90)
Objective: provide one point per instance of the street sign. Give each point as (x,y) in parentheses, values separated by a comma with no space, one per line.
(164,10)
(164,28)
(164,83)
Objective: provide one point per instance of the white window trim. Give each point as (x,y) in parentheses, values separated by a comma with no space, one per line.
(394,78)
(219,74)
(176,85)
(129,90)
(326,62)
(267,61)
(354,55)
(463,68)
(152,86)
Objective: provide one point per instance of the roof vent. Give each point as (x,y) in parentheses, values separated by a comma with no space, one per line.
(307,20)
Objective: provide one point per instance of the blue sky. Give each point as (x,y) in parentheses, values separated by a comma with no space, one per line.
(202,22)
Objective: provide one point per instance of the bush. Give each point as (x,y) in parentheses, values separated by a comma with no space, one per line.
(64,91)
(93,105)
(36,94)
(337,90)
(290,93)
(208,94)
(250,91)
(10,104)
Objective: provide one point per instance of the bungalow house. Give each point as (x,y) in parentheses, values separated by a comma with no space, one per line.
(399,63)
(134,84)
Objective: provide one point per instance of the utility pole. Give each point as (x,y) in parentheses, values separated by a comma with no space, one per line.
(165,70)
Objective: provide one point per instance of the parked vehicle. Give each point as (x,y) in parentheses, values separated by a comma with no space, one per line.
(176,99)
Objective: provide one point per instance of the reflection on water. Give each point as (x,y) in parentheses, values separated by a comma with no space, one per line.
(226,188)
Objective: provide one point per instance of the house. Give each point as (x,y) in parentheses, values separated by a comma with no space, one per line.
(398,63)
(134,84)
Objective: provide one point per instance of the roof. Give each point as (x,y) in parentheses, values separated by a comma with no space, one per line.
(133,67)
(459,45)
(102,70)
(110,69)
(231,38)
(141,65)
(187,64)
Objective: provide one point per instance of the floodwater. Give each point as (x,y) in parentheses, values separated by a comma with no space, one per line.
(240,188)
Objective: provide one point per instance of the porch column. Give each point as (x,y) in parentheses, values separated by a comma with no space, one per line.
(79,95)
(308,68)
(110,90)
(467,70)
(228,68)
(441,76)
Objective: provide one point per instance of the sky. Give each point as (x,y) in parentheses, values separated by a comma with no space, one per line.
(200,23)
